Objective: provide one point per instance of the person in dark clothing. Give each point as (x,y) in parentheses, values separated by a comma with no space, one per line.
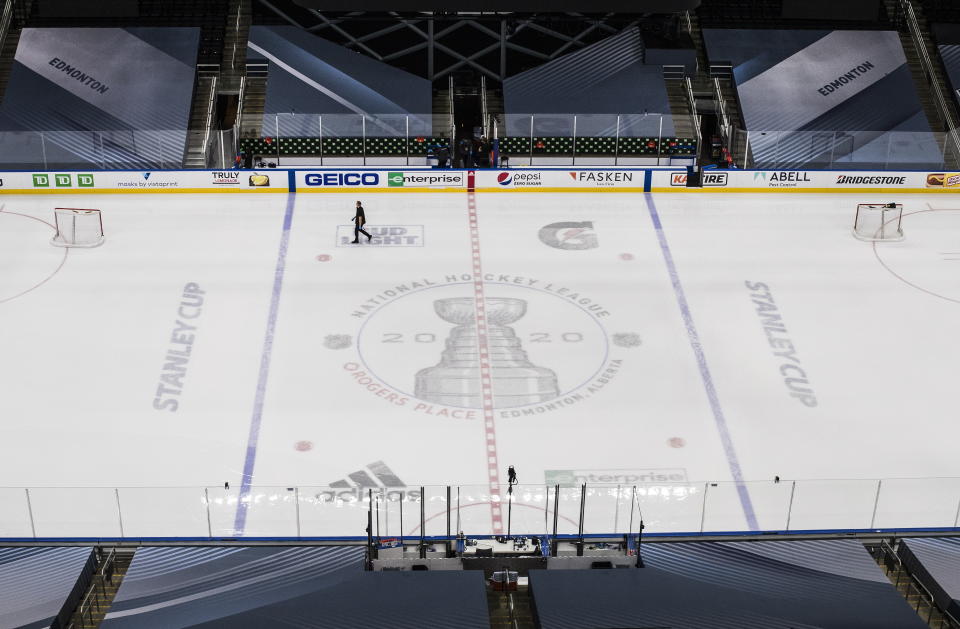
(465,151)
(443,156)
(483,155)
(359,220)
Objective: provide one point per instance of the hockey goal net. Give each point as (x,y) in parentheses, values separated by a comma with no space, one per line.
(878,221)
(77,227)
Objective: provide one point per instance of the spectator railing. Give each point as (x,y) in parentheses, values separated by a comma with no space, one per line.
(593,139)
(329,138)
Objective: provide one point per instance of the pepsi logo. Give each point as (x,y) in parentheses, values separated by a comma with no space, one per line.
(505,179)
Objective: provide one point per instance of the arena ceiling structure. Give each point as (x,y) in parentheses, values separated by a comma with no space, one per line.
(436,39)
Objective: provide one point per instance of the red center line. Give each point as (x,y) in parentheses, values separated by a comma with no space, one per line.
(483,347)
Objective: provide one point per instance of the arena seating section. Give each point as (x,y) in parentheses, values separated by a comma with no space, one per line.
(935,562)
(40,587)
(830,584)
(209,15)
(317,587)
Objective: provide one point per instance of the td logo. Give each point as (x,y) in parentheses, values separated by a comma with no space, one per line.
(62,180)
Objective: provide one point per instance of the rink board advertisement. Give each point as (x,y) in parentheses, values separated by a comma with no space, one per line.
(807,181)
(510,180)
(111,181)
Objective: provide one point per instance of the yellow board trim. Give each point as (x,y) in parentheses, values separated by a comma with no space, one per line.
(137,190)
(816,190)
(560,189)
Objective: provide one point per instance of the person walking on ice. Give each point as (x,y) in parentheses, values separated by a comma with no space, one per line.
(359,220)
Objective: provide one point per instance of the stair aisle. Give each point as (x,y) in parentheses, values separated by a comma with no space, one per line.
(112,564)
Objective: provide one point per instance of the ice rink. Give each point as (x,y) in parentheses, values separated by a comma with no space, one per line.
(601,338)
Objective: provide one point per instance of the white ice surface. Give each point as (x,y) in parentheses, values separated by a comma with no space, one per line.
(873,327)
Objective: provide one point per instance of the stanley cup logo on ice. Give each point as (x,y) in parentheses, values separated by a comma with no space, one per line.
(455,381)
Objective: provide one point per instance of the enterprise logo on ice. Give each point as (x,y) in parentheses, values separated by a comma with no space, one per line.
(342,179)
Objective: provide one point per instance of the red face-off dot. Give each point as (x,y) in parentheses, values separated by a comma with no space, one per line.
(676,442)
(626,256)
(323,257)
(303,446)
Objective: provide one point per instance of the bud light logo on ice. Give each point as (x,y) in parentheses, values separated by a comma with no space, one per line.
(342,179)
(383,236)
(518,179)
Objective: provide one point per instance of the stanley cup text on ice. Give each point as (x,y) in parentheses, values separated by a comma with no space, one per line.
(456,380)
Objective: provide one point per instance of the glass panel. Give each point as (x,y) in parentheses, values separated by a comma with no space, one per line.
(300,125)
(667,508)
(435,510)
(342,125)
(272,512)
(832,504)
(223,510)
(75,512)
(476,504)
(21,150)
(602,514)
(517,125)
(163,512)
(645,125)
(596,125)
(568,519)
(553,125)
(333,512)
(918,503)
(14,513)
(725,506)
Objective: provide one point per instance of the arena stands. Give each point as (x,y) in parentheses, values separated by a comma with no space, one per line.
(41,586)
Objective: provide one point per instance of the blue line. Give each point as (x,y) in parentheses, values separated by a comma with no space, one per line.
(252,440)
(697,347)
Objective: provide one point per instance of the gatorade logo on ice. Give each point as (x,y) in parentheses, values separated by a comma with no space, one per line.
(569,235)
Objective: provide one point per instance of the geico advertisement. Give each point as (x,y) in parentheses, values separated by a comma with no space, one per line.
(326,180)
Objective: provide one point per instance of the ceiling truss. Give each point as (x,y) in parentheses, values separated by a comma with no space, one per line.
(437,45)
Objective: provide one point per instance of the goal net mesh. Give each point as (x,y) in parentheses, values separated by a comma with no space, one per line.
(878,221)
(77,227)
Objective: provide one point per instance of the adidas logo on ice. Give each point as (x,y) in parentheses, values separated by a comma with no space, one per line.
(376,476)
